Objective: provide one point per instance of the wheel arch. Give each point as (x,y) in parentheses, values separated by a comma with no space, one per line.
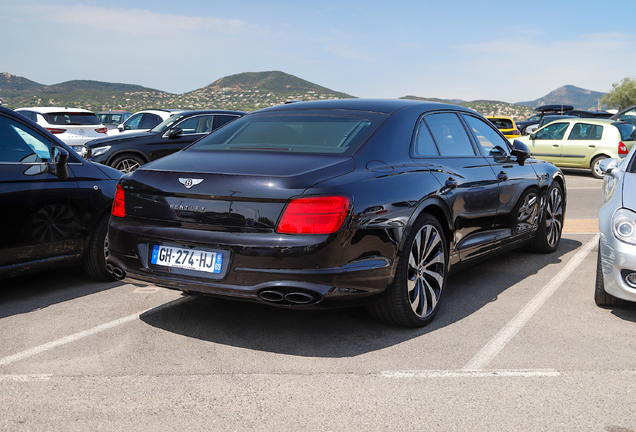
(436,207)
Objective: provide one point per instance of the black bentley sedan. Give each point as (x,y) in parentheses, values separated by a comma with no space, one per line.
(334,203)
(128,152)
(55,205)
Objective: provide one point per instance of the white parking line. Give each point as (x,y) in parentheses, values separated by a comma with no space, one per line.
(77,336)
(524,373)
(492,348)
(26,378)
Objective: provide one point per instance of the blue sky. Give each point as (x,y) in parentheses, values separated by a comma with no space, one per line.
(508,51)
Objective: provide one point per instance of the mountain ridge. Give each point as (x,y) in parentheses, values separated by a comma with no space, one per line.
(243,91)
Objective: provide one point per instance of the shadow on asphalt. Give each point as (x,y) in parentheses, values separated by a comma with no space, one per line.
(343,332)
(27,293)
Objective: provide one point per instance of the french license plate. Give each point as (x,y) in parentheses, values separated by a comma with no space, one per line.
(189,259)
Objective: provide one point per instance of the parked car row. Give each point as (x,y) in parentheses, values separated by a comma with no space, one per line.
(312,204)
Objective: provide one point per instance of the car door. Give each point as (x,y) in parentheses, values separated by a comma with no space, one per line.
(582,141)
(518,203)
(546,142)
(469,185)
(38,220)
(181,135)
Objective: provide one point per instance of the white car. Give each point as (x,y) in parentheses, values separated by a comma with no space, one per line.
(143,121)
(616,267)
(74,126)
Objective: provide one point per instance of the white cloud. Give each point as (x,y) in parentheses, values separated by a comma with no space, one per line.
(131,22)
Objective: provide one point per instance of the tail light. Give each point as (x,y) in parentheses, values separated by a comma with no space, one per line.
(314,215)
(101,130)
(56,131)
(622,149)
(119,204)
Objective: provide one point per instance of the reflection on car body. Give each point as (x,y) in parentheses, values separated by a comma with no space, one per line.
(56,205)
(336,203)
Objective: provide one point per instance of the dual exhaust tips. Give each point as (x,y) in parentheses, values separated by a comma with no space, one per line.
(296,298)
(270,296)
(117,272)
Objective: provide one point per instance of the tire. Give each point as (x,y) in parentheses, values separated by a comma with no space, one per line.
(548,234)
(594,166)
(601,297)
(127,163)
(97,253)
(415,295)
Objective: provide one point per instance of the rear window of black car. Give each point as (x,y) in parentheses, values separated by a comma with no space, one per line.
(294,132)
(501,123)
(73,119)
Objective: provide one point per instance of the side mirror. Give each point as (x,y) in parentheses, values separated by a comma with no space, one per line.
(174,132)
(609,166)
(120,127)
(520,151)
(59,165)
(533,136)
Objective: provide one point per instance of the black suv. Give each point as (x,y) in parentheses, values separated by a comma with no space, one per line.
(55,205)
(550,110)
(129,152)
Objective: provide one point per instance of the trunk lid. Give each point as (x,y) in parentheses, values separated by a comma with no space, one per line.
(240,190)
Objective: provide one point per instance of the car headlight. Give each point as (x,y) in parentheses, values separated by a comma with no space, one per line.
(624,225)
(98,151)
(80,150)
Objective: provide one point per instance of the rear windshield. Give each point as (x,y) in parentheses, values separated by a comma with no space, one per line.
(502,123)
(302,132)
(627,130)
(70,118)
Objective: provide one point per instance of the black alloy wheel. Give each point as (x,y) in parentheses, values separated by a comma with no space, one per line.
(414,297)
(127,163)
(548,234)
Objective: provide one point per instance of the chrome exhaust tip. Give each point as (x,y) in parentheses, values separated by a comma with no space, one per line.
(299,298)
(117,272)
(272,296)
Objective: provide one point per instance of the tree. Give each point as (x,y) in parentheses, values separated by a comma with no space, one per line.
(622,95)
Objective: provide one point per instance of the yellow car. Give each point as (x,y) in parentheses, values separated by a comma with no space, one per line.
(506,125)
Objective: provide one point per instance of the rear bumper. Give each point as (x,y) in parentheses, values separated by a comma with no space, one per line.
(281,270)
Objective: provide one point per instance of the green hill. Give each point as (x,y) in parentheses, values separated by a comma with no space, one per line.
(569,95)
(246,91)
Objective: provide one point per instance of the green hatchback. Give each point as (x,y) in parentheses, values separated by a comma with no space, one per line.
(581,142)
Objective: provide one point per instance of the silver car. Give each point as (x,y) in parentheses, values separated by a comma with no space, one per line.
(616,267)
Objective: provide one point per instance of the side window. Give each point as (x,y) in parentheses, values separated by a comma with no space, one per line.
(19,144)
(28,114)
(198,124)
(221,119)
(629,116)
(553,131)
(489,140)
(424,144)
(149,121)
(133,122)
(449,134)
(583,131)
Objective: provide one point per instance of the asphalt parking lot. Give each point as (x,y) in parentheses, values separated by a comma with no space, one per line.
(518,345)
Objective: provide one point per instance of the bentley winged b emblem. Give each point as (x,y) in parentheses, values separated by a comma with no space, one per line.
(189,182)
